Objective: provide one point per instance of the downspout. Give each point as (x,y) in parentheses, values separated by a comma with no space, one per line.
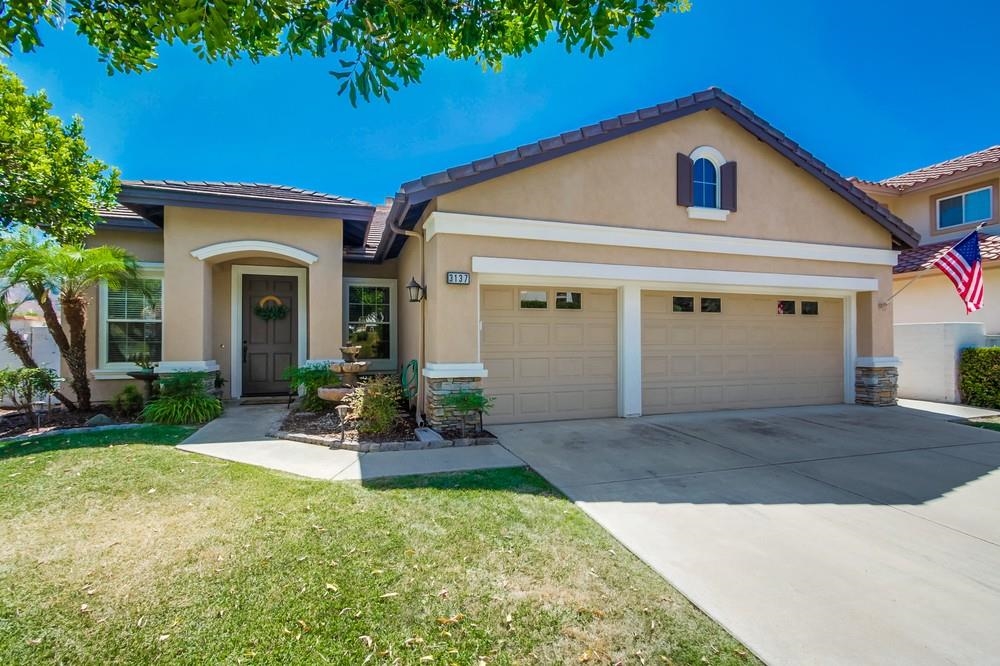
(419,235)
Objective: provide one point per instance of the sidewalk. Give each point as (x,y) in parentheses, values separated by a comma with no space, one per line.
(947,409)
(238,435)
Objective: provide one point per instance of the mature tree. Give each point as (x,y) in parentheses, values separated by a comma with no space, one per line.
(68,272)
(378,44)
(48,178)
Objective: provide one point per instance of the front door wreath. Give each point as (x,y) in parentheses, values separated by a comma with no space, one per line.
(270,308)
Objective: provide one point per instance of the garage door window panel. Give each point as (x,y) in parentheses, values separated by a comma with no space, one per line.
(534,300)
(683,303)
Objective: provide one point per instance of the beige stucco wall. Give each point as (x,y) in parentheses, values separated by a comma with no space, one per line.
(631,182)
(147,246)
(932,299)
(188,330)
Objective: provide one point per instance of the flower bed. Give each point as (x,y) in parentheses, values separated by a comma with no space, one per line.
(323,429)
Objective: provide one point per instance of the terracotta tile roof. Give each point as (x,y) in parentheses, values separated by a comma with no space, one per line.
(414,194)
(953,167)
(920,258)
(254,190)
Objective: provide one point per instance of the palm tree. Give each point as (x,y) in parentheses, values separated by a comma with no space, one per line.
(67,272)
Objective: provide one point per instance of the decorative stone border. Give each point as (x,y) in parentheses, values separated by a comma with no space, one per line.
(374,447)
(67,431)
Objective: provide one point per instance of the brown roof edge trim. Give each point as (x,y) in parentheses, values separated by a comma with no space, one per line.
(433,185)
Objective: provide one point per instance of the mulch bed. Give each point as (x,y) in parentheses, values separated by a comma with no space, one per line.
(13,423)
(327,424)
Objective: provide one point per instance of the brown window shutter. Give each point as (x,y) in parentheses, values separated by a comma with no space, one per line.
(685,186)
(727,193)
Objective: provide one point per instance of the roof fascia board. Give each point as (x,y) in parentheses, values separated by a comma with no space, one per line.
(152,197)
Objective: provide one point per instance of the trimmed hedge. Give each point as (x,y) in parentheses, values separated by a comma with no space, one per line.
(979,377)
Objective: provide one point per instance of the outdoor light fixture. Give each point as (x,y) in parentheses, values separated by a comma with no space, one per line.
(416,291)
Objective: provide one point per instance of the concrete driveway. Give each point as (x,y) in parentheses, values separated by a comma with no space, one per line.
(816,535)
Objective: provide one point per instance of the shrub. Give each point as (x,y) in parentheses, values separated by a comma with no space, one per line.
(22,386)
(466,402)
(979,377)
(374,404)
(127,402)
(183,399)
(311,377)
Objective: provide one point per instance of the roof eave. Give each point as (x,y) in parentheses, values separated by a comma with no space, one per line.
(134,195)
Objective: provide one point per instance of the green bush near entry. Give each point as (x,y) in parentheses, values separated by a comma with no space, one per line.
(127,402)
(183,399)
(374,404)
(979,377)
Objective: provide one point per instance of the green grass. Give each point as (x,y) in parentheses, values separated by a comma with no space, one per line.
(988,425)
(67,439)
(138,553)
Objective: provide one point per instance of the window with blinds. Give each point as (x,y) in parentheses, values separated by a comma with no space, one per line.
(134,322)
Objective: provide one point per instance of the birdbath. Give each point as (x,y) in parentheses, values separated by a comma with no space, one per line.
(148,376)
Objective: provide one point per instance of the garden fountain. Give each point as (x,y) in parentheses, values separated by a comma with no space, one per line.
(348,371)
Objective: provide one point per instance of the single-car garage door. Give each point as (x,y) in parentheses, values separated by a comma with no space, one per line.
(550,353)
(728,351)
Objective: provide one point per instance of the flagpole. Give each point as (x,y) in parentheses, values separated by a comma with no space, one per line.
(884,304)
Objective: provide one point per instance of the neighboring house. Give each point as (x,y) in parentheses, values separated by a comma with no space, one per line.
(944,202)
(687,256)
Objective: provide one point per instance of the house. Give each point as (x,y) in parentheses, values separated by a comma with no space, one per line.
(944,202)
(687,256)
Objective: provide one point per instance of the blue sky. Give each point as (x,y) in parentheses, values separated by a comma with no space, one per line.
(873,89)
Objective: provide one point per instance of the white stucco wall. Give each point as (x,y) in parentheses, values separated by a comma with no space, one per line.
(929,354)
(43,347)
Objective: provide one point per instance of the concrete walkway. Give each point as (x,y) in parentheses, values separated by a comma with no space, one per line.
(947,409)
(239,436)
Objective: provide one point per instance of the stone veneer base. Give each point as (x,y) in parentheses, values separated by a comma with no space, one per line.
(875,386)
(437,415)
(375,447)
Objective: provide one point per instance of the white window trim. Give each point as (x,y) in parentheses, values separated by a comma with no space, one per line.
(381,364)
(236,317)
(119,370)
(963,223)
(714,214)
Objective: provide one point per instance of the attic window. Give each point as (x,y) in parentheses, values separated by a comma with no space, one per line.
(706,184)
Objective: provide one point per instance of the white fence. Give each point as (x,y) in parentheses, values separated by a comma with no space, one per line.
(929,356)
(43,347)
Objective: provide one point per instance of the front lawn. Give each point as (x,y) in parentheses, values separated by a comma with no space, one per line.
(138,553)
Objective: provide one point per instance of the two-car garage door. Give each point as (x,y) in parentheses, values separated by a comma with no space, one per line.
(552,353)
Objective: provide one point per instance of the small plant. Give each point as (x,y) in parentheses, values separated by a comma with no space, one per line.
(466,402)
(374,404)
(142,360)
(22,386)
(311,377)
(127,403)
(183,399)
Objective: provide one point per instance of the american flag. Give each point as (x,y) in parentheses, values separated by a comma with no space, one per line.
(964,267)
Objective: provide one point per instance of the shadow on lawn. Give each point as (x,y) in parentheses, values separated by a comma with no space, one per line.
(68,439)
(521,480)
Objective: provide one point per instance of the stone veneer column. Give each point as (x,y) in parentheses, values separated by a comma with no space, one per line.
(437,415)
(875,386)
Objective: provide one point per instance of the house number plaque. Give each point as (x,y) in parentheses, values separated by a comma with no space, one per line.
(456,277)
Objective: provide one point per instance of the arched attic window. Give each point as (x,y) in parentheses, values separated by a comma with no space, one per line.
(706,183)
